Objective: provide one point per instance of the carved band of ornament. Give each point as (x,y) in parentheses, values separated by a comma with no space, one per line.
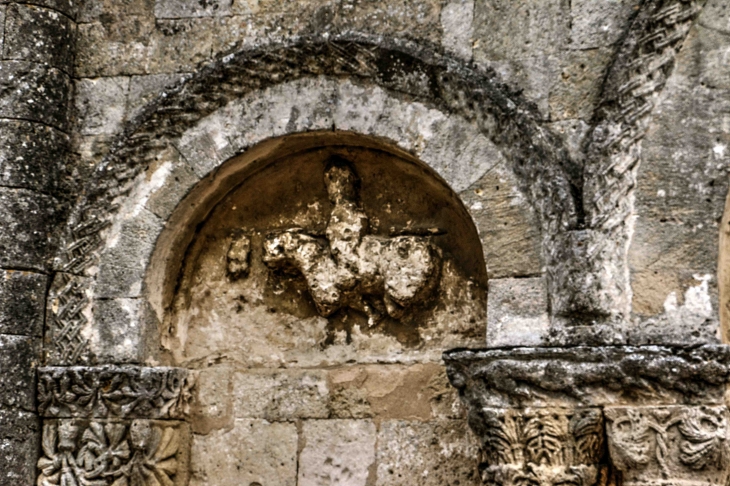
(110,453)
(114,391)
(540,446)
(652,445)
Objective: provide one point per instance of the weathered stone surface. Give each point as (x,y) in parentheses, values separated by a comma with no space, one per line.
(517,312)
(19,355)
(174,9)
(172,178)
(336,452)
(426,453)
(589,376)
(114,392)
(100,104)
(147,88)
(253,451)
(577,83)
(113,9)
(116,332)
(280,395)
(67,7)
(715,16)
(20,435)
(106,452)
(39,35)
(28,220)
(34,156)
(22,302)
(212,405)
(457,19)
(21,98)
(598,23)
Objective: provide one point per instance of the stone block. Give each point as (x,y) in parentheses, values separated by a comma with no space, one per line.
(114,9)
(145,89)
(598,23)
(716,15)
(252,452)
(19,355)
(27,220)
(457,18)
(173,179)
(117,334)
(39,35)
(100,104)
(414,19)
(577,83)
(517,312)
(175,9)
(22,302)
(532,75)
(280,395)
(124,261)
(21,98)
(212,407)
(517,30)
(19,446)
(33,156)
(69,8)
(337,452)
(427,454)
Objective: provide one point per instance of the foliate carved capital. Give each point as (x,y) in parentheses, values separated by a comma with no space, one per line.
(114,392)
(540,446)
(114,453)
(669,444)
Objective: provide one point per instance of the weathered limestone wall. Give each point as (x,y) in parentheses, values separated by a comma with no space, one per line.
(506,102)
(36,189)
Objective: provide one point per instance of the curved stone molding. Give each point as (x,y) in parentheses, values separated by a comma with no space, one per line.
(114,391)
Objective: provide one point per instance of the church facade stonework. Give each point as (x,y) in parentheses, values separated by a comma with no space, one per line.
(364,243)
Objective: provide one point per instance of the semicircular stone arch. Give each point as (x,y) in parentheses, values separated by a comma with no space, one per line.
(452,118)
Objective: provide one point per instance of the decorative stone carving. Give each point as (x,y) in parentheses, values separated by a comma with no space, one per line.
(114,391)
(371,274)
(105,453)
(540,446)
(239,257)
(677,444)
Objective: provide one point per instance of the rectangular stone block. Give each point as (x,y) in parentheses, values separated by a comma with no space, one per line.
(34,156)
(19,446)
(281,395)
(39,35)
(69,8)
(517,312)
(27,222)
(19,356)
(100,104)
(337,452)
(427,453)
(252,452)
(22,302)
(118,334)
(598,23)
(21,98)
(174,9)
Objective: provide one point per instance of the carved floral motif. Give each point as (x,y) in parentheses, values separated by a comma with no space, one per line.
(136,453)
(671,443)
(540,446)
(114,391)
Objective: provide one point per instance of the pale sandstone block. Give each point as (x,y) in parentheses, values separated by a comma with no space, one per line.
(280,395)
(337,452)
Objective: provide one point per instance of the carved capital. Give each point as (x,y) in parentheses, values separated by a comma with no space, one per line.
(548,446)
(669,444)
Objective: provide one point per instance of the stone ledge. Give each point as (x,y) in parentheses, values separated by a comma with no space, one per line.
(584,376)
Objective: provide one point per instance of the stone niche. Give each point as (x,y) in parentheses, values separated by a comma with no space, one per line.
(321,279)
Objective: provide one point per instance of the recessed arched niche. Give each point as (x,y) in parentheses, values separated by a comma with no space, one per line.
(320,249)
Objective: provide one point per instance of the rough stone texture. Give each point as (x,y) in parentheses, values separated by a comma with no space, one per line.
(100,104)
(22,302)
(29,220)
(20,98)
(39,35)
(19,356)
(517,313)
(252,451)
(336,452)
(20,437)
(281,395)
(435,453)
(35,157)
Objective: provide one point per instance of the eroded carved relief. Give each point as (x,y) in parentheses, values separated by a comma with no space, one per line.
(114,391)
(238,257)
(540,446)
(351,268)
(101,453)
(671,443)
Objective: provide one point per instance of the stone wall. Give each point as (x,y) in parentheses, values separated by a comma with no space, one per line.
(583,145)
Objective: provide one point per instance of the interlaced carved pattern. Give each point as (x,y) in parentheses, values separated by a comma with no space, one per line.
(67,319)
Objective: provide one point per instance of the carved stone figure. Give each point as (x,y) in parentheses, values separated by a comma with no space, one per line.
(351,268)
